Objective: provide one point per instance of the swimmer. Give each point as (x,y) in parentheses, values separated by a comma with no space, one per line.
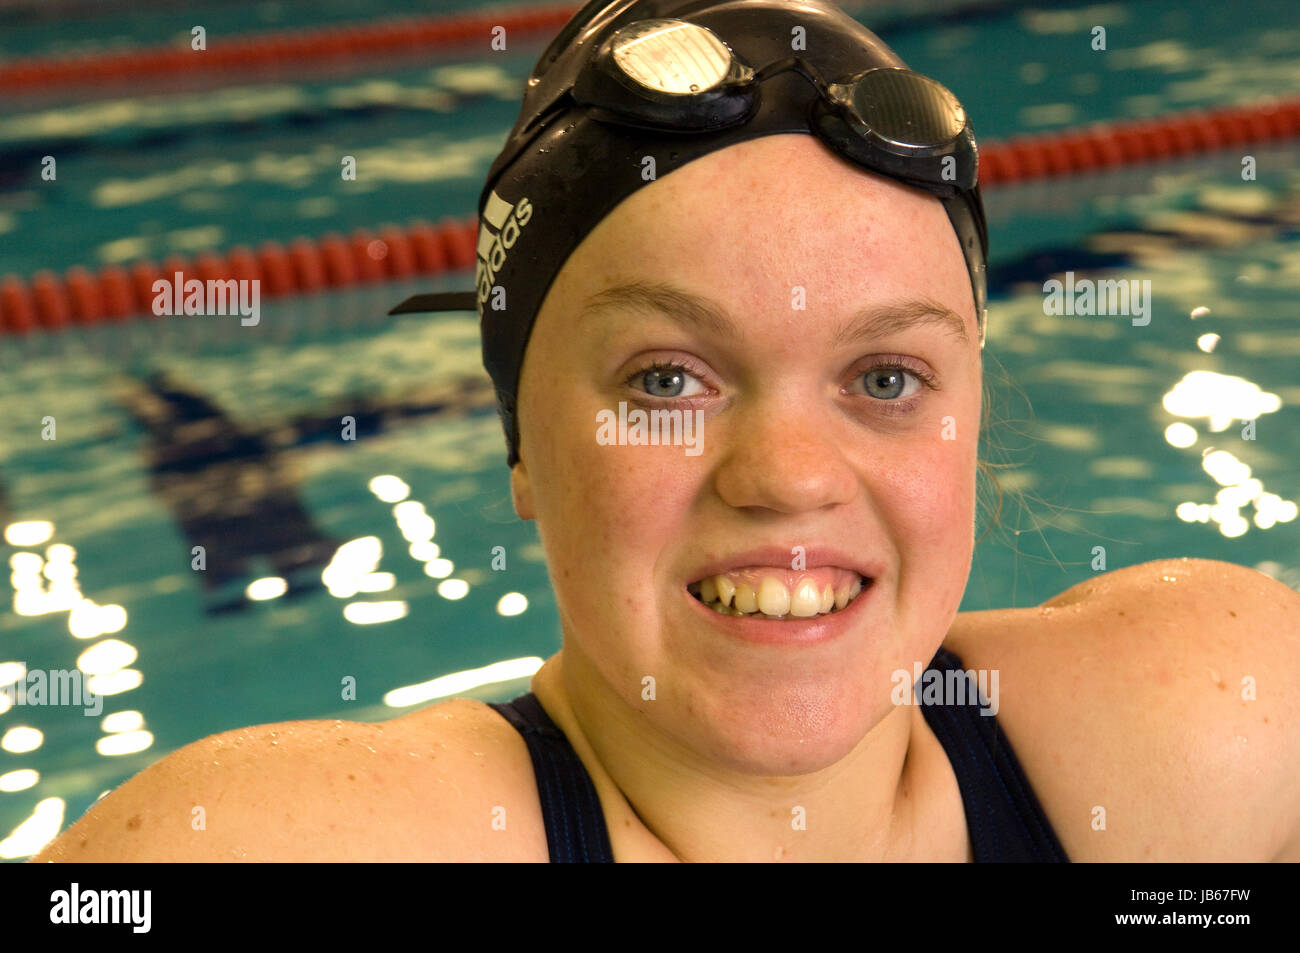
(690,216)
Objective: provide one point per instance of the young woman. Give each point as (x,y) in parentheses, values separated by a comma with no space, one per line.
(806,289)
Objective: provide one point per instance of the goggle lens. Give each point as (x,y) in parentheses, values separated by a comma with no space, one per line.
(672,57)
(907,108)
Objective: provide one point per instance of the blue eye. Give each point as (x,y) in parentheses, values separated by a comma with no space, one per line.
(889,383)
(666,381)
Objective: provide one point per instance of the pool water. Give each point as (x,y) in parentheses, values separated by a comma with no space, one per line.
(155,419)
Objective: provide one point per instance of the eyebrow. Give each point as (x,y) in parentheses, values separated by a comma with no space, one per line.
(706,315)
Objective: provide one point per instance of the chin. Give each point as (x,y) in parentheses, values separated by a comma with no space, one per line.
(789,729)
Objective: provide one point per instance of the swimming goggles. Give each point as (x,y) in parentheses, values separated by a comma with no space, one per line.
(669,74)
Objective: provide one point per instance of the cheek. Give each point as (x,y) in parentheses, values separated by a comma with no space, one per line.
(928,504)
(606,514)
(928,498)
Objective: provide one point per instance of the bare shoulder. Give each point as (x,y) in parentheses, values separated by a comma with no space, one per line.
(1163,699)
(426,786)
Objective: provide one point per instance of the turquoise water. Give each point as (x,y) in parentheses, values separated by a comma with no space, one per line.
(1082,409)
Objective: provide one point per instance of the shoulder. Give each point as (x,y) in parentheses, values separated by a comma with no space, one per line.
(426,786)
(1162,699)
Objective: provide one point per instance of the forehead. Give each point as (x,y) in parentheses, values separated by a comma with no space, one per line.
(751,223)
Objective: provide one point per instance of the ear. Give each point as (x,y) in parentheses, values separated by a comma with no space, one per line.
(521,491)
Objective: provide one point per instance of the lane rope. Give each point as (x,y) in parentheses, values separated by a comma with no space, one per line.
(115,293)
(387,38)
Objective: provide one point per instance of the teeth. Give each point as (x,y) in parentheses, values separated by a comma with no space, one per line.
(806,601)
(773,598)
(708,590)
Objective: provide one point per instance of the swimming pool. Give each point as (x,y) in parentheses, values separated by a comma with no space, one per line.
(390,546)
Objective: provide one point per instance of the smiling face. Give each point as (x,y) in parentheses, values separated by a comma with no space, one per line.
(800,304)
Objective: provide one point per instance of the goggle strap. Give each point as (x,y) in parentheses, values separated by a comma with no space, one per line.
(438,301)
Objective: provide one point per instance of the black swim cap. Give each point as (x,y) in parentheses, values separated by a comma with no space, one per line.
(567,163)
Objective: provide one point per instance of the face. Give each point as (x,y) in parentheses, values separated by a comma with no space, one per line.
(840,411)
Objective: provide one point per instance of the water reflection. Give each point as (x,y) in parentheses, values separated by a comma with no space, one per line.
(457,683)
(1220,399)
(37,830)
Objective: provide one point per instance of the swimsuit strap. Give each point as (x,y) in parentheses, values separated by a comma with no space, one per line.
(1006,822)
(575,823)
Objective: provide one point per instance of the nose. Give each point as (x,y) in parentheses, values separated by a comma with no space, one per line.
(782,459)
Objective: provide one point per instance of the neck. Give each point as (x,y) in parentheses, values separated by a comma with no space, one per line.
(666,802)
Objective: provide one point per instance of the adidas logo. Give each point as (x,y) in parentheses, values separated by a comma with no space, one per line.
(497,233)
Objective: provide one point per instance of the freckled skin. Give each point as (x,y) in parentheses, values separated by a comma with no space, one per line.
(788,458)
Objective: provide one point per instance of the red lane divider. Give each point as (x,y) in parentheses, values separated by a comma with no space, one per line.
(306,266)
(386,38)
(1144,140)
